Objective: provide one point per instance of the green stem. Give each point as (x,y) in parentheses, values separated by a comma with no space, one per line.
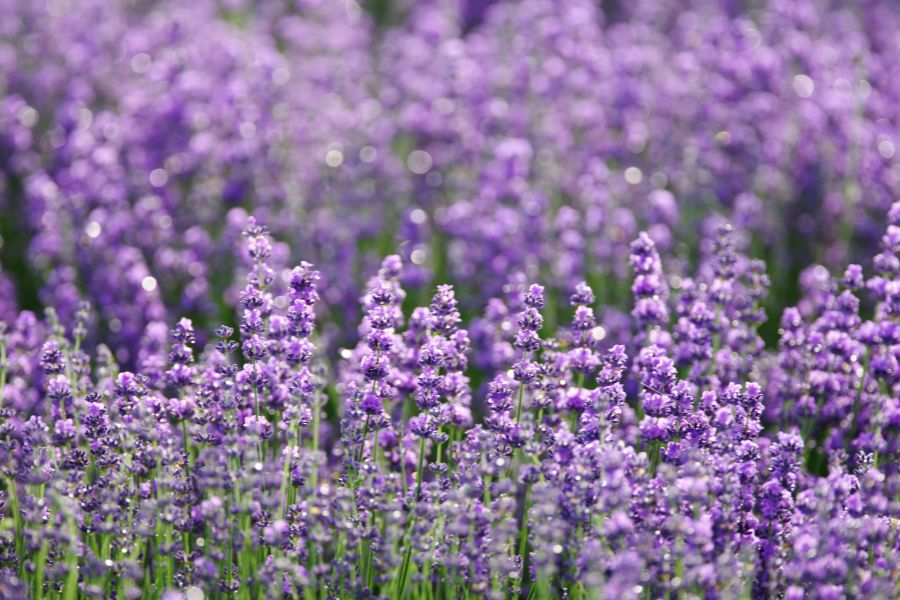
(654,456)
(17,520)
(520,402)
(362,444)
(375,449)
(39,571)
(229,559)
(285,481)
(170,558)
(186,440)
(70,588)
(404,566)
(370,571)
(315,439)
(421,468)
(403,467)
(523,538)
(679,565)
(148,570)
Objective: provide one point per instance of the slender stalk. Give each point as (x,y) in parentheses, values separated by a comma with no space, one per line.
(404,565)
(365,435)
(38,589)
(403,468)
(186,440)
(654,452)
(148,569)
(679,565)
(170,559)
(520,402)
(421,468)
(70,587)
(17,520)
(523,537)
(317,407)
(375,450)
(285,482)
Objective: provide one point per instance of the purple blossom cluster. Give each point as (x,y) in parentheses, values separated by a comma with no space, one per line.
(688,461)
(449,299)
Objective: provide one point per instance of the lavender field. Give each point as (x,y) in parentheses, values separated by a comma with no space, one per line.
(449,299)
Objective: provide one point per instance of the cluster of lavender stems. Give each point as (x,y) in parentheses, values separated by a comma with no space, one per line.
(449,299)
(688,462)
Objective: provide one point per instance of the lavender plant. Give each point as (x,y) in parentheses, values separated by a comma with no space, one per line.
(605,299)
(242,468)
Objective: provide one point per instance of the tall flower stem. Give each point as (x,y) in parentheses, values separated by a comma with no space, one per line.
(523,537)
(420,468)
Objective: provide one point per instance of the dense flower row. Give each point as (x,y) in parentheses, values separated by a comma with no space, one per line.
(481,138)
(685,461)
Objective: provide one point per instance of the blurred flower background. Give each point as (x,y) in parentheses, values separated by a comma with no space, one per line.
(702,188)
(478,139)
